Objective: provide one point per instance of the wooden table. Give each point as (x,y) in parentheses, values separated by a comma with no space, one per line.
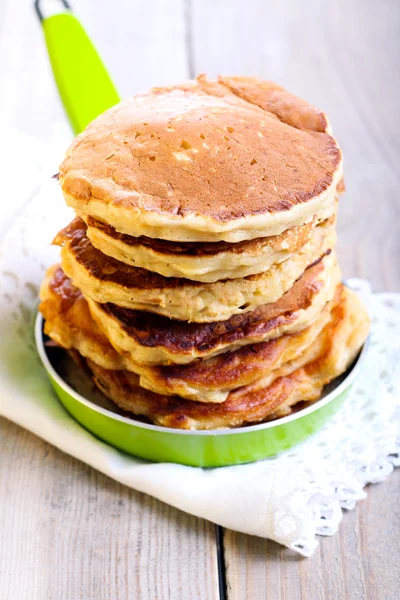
(68,532)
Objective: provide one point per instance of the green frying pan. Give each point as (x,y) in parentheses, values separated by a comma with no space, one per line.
(86,91)
(84,85)
(216,448)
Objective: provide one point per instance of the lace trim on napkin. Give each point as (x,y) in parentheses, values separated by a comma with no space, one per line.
(360,445)
(325,474)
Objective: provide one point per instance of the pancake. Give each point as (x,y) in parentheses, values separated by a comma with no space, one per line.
(202,261)
(232,159)
(106,280)
(69,323)
(212,379)
(153,339)
(329,356)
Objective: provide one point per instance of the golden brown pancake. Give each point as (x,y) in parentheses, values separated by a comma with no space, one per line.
(211,380)
(232,159)
(202,261)
(153,339)
(104,279)
(330,355)
(69,323)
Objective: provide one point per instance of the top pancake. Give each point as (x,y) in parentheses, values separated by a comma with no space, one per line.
(229,160)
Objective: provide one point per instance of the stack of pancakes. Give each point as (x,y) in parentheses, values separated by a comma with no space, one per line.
(198,282)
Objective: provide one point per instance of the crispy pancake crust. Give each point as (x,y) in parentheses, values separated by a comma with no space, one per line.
(153,339)
(202,261)
(69,323)
(211,380)
(104,279)
(329,356)
(233,159)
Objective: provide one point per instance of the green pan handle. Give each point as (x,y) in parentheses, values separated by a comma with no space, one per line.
(83,82)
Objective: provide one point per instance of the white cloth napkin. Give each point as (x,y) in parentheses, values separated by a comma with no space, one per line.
(290,498)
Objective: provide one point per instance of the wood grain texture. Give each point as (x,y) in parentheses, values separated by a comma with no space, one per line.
(361,561)
(69,532)
(142,43)
(345,58)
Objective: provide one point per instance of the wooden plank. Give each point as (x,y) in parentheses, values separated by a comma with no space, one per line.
(29,99)
(361,561)
(69,532)
(62,522)
(343,57)
(143,43)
